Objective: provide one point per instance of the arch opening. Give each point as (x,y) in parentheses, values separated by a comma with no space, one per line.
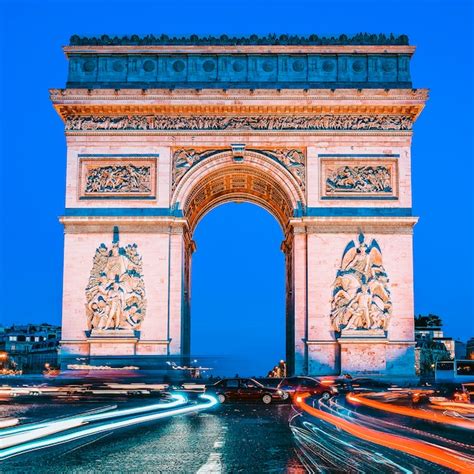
(252,178)
(238,291)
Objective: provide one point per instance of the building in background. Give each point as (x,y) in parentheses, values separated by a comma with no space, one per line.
(470,349)
(431,344)
(460,350)
(29,348)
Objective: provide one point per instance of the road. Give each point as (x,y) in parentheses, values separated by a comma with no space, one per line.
(230,438)
(315,436)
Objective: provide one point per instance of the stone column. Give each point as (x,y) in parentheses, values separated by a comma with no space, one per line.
(323,350)
(176,288)
(300,298)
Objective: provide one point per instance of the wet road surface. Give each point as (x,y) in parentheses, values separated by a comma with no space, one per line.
(369,434)
(230,438)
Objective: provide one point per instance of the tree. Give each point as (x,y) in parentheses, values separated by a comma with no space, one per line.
(428,321)
(431,352)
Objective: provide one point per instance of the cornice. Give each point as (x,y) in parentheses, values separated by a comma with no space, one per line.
(378,224)
(239,49)
(236,94)
(69,102)
(145,224)
(280,133)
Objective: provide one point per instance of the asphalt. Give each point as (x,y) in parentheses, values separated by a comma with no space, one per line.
(232,438)
(237,437)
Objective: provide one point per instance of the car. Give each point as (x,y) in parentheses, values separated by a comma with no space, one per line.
(456,392)
(363,384)
(290,386)
(243,389)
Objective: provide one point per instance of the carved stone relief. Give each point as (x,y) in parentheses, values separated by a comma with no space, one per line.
(115,295)
(361,296)
(363,179)
(292,159)
(115,178)
(358,178)
(240,122)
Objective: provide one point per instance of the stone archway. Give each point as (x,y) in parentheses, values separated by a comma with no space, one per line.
(332,164)
(256,176)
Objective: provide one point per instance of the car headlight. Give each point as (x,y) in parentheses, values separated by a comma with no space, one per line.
(280,392)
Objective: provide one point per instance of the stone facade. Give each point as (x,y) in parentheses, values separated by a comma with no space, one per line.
(153,177)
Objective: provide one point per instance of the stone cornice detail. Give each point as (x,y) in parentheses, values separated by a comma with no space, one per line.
(144,224)
(379,224)
(200,94)
(69,102)
(244,49)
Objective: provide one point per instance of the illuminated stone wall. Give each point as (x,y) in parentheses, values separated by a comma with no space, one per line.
(329,163)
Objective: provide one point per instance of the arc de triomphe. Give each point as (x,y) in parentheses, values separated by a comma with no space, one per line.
(316,130)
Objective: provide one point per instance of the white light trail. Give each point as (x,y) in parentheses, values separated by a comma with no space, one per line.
(177,401)
(81,433)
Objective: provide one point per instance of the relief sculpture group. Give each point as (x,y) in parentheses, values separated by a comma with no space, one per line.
(212,122)
(116,290)
(361,297)
(116,179)
(362,179)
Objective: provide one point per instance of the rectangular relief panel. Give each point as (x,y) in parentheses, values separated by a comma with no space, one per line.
(117,177)
(359,178)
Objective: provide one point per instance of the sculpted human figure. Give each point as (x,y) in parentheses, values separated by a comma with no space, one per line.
(361,297)
(115,302)
(361,310)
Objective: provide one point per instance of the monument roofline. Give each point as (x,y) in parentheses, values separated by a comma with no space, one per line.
(272,62)
(239,49)
(226,40)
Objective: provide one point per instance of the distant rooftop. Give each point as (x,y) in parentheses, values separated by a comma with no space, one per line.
(361,39)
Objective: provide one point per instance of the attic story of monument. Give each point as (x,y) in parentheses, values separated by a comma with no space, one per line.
(161,130)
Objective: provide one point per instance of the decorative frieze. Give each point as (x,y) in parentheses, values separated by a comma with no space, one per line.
(359,179)
(115,294)
(238,122)
(102,178)
(361,297)
(292,159)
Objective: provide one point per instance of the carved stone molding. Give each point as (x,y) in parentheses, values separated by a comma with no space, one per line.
(351,224)
(239,122)
(128,224)
(293,160)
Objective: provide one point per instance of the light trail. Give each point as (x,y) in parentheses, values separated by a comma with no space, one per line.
(438,455)
(343,411)
(8,422)
(411,412)
(81,433)
(177,401)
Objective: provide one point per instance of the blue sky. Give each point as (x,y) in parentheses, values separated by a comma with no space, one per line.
(32,152)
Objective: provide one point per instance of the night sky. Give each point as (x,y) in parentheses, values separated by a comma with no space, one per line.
(238,280)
